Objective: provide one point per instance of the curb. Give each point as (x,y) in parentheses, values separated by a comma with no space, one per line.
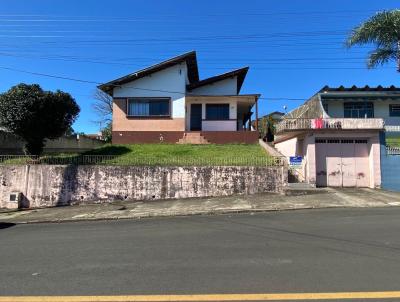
(208,213)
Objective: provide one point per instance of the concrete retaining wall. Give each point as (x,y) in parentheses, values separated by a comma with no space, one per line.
(52,185)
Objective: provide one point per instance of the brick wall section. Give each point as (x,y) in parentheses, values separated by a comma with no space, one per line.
(145,137)
(229,137)
(121,122)
(52,185)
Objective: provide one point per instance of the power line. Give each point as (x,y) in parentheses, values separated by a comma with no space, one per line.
(144,18)
(208,62)
(94,82)
(49,75)
(258,66)
(129,87)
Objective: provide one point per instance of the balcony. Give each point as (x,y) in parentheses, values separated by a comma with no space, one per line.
(330,123)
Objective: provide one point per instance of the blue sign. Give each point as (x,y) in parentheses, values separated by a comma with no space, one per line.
(295,160)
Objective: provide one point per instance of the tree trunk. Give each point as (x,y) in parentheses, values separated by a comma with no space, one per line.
(34,147)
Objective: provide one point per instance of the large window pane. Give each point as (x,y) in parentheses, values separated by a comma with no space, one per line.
(138,108)
(149,107)
(394,110)
(358,110)
(217,111)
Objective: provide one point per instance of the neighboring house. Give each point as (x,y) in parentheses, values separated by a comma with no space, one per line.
(337,133)
(168,102)
(98,136)
(266,125)
(275,116)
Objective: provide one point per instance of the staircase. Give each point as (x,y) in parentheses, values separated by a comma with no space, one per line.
(194,138)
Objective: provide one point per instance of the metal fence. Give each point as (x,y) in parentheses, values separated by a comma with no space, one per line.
(392,150)
(140,160)
(392,128)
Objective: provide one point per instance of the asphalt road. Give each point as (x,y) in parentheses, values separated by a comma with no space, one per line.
(332,250)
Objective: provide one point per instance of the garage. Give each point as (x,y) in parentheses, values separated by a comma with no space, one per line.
(342,162)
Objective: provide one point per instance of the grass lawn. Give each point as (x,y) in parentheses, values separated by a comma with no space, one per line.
(393,141)
(174,154)
(163,155)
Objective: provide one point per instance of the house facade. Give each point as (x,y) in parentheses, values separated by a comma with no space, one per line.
(336,134)
(168,102)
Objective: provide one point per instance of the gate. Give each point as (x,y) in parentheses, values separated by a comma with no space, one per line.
(342,162)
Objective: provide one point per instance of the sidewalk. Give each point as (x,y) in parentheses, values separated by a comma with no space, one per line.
(324,198)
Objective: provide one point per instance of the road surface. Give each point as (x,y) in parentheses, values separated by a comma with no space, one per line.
(305,251)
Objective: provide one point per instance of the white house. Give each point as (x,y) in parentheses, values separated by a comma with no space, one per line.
(168,102)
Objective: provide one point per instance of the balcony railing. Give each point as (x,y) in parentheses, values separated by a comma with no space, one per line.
(218,125)
(329,123)
(392,128)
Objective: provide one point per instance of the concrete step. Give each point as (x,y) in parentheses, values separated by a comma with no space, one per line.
(194,138)
(297,189)
(192,134)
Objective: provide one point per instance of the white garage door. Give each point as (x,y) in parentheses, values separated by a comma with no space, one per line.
(342,162)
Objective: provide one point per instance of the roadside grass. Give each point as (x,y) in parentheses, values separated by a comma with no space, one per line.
(161,155)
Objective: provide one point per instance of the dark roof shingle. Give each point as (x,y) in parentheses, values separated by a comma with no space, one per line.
(366,88)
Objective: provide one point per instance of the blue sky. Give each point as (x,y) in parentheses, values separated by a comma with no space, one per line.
(293,48)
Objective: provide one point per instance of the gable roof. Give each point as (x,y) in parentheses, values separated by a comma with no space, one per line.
(189,58)
(240,73)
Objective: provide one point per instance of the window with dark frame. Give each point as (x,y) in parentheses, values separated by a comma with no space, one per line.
(149,107)
(217,111)
(394,110)
(358,110)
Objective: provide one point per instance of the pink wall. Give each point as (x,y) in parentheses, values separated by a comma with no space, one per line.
(295,147)
(288,147)
(304,145)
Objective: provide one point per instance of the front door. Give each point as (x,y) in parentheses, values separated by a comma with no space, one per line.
(195,117)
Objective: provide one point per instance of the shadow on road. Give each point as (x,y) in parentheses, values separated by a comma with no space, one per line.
(6,225)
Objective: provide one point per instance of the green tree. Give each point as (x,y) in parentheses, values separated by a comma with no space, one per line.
(107,132)
(70,131)
(382,30)
(35,115)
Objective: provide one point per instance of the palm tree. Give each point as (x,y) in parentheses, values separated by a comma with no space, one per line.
(383,30)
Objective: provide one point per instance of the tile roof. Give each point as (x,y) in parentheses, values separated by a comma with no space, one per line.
(355,88)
